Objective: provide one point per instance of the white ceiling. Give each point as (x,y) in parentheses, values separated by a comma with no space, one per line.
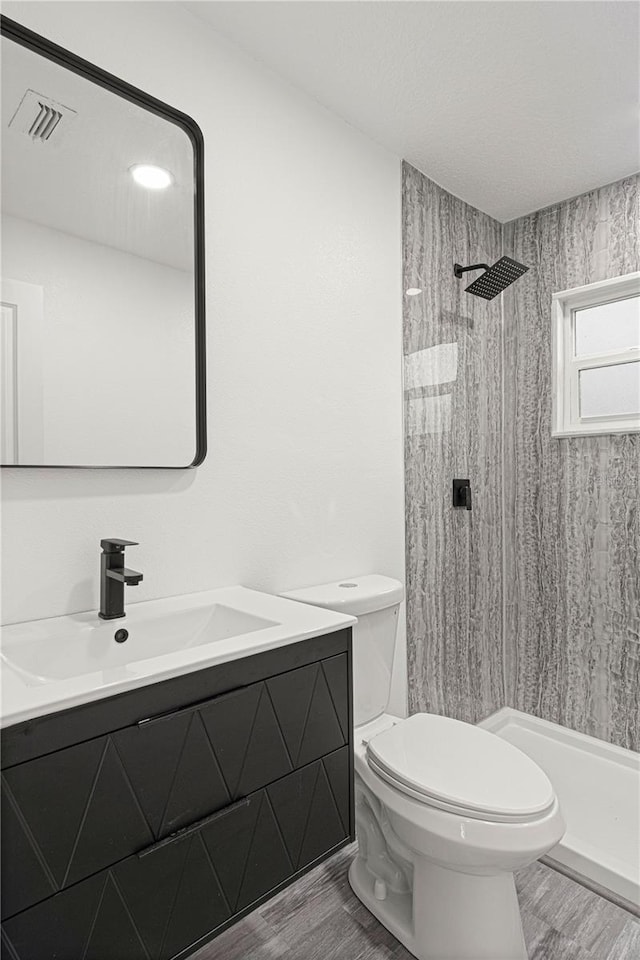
(79,181)
(511,106)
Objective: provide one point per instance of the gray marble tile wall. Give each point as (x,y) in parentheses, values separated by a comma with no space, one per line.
(572,506)
(453,409)
(531,599)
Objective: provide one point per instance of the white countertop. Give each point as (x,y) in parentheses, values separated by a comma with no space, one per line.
(25,695)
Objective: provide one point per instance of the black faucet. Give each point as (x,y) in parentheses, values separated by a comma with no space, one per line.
(113,576)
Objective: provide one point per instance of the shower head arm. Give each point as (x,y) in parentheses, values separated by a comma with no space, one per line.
(459,270)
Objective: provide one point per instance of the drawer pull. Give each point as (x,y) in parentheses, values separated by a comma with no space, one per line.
(193,706)
(194,827)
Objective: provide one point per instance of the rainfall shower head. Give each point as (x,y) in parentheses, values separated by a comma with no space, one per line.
(494,279)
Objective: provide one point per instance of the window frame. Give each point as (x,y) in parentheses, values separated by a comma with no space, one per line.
(566,419)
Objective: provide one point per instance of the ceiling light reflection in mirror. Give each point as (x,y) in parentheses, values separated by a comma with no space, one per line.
(150,176)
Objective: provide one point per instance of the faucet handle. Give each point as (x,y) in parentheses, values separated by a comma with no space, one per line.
(114,545)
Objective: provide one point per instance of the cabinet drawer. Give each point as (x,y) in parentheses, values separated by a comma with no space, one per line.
(156,904)
(72,813)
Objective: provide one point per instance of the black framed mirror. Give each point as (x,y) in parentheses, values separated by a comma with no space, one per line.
(102,333)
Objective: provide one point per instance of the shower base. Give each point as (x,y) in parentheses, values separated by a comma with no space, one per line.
(598,786)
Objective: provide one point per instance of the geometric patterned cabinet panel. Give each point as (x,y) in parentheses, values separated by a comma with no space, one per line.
(160,904)
(69,814)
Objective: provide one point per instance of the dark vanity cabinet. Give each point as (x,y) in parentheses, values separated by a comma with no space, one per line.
(140,826)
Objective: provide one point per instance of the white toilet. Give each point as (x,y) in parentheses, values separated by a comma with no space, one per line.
(445,811)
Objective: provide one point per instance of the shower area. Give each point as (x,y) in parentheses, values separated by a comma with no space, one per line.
(523,612)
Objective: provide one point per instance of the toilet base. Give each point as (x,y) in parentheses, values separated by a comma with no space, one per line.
(447,915)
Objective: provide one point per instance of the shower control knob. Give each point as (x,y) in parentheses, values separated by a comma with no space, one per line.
(462,494)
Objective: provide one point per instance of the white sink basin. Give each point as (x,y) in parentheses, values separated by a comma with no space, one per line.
(77,645)
(54,664)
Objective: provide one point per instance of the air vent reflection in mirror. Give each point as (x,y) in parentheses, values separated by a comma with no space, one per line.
(40,118)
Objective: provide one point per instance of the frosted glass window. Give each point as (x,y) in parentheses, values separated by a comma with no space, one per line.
(608,327)
(610,391)
(596,358)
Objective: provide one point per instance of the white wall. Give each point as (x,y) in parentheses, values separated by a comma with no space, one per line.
(116,350)
(304,477)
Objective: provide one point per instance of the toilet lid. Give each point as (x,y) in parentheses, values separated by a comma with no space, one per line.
(462,767)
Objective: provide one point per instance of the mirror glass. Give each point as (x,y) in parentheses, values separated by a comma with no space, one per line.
(99,327)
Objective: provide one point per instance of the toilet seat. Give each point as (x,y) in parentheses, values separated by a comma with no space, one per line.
(460,768)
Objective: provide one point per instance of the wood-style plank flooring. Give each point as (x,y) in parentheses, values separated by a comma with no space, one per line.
(319,918)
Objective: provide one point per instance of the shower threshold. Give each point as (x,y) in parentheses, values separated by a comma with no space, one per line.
(598,786)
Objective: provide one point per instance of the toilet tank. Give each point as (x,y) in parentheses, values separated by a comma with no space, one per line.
(375,601)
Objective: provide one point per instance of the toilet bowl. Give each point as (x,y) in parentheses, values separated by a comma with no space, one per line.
(456,852)
(445,811)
